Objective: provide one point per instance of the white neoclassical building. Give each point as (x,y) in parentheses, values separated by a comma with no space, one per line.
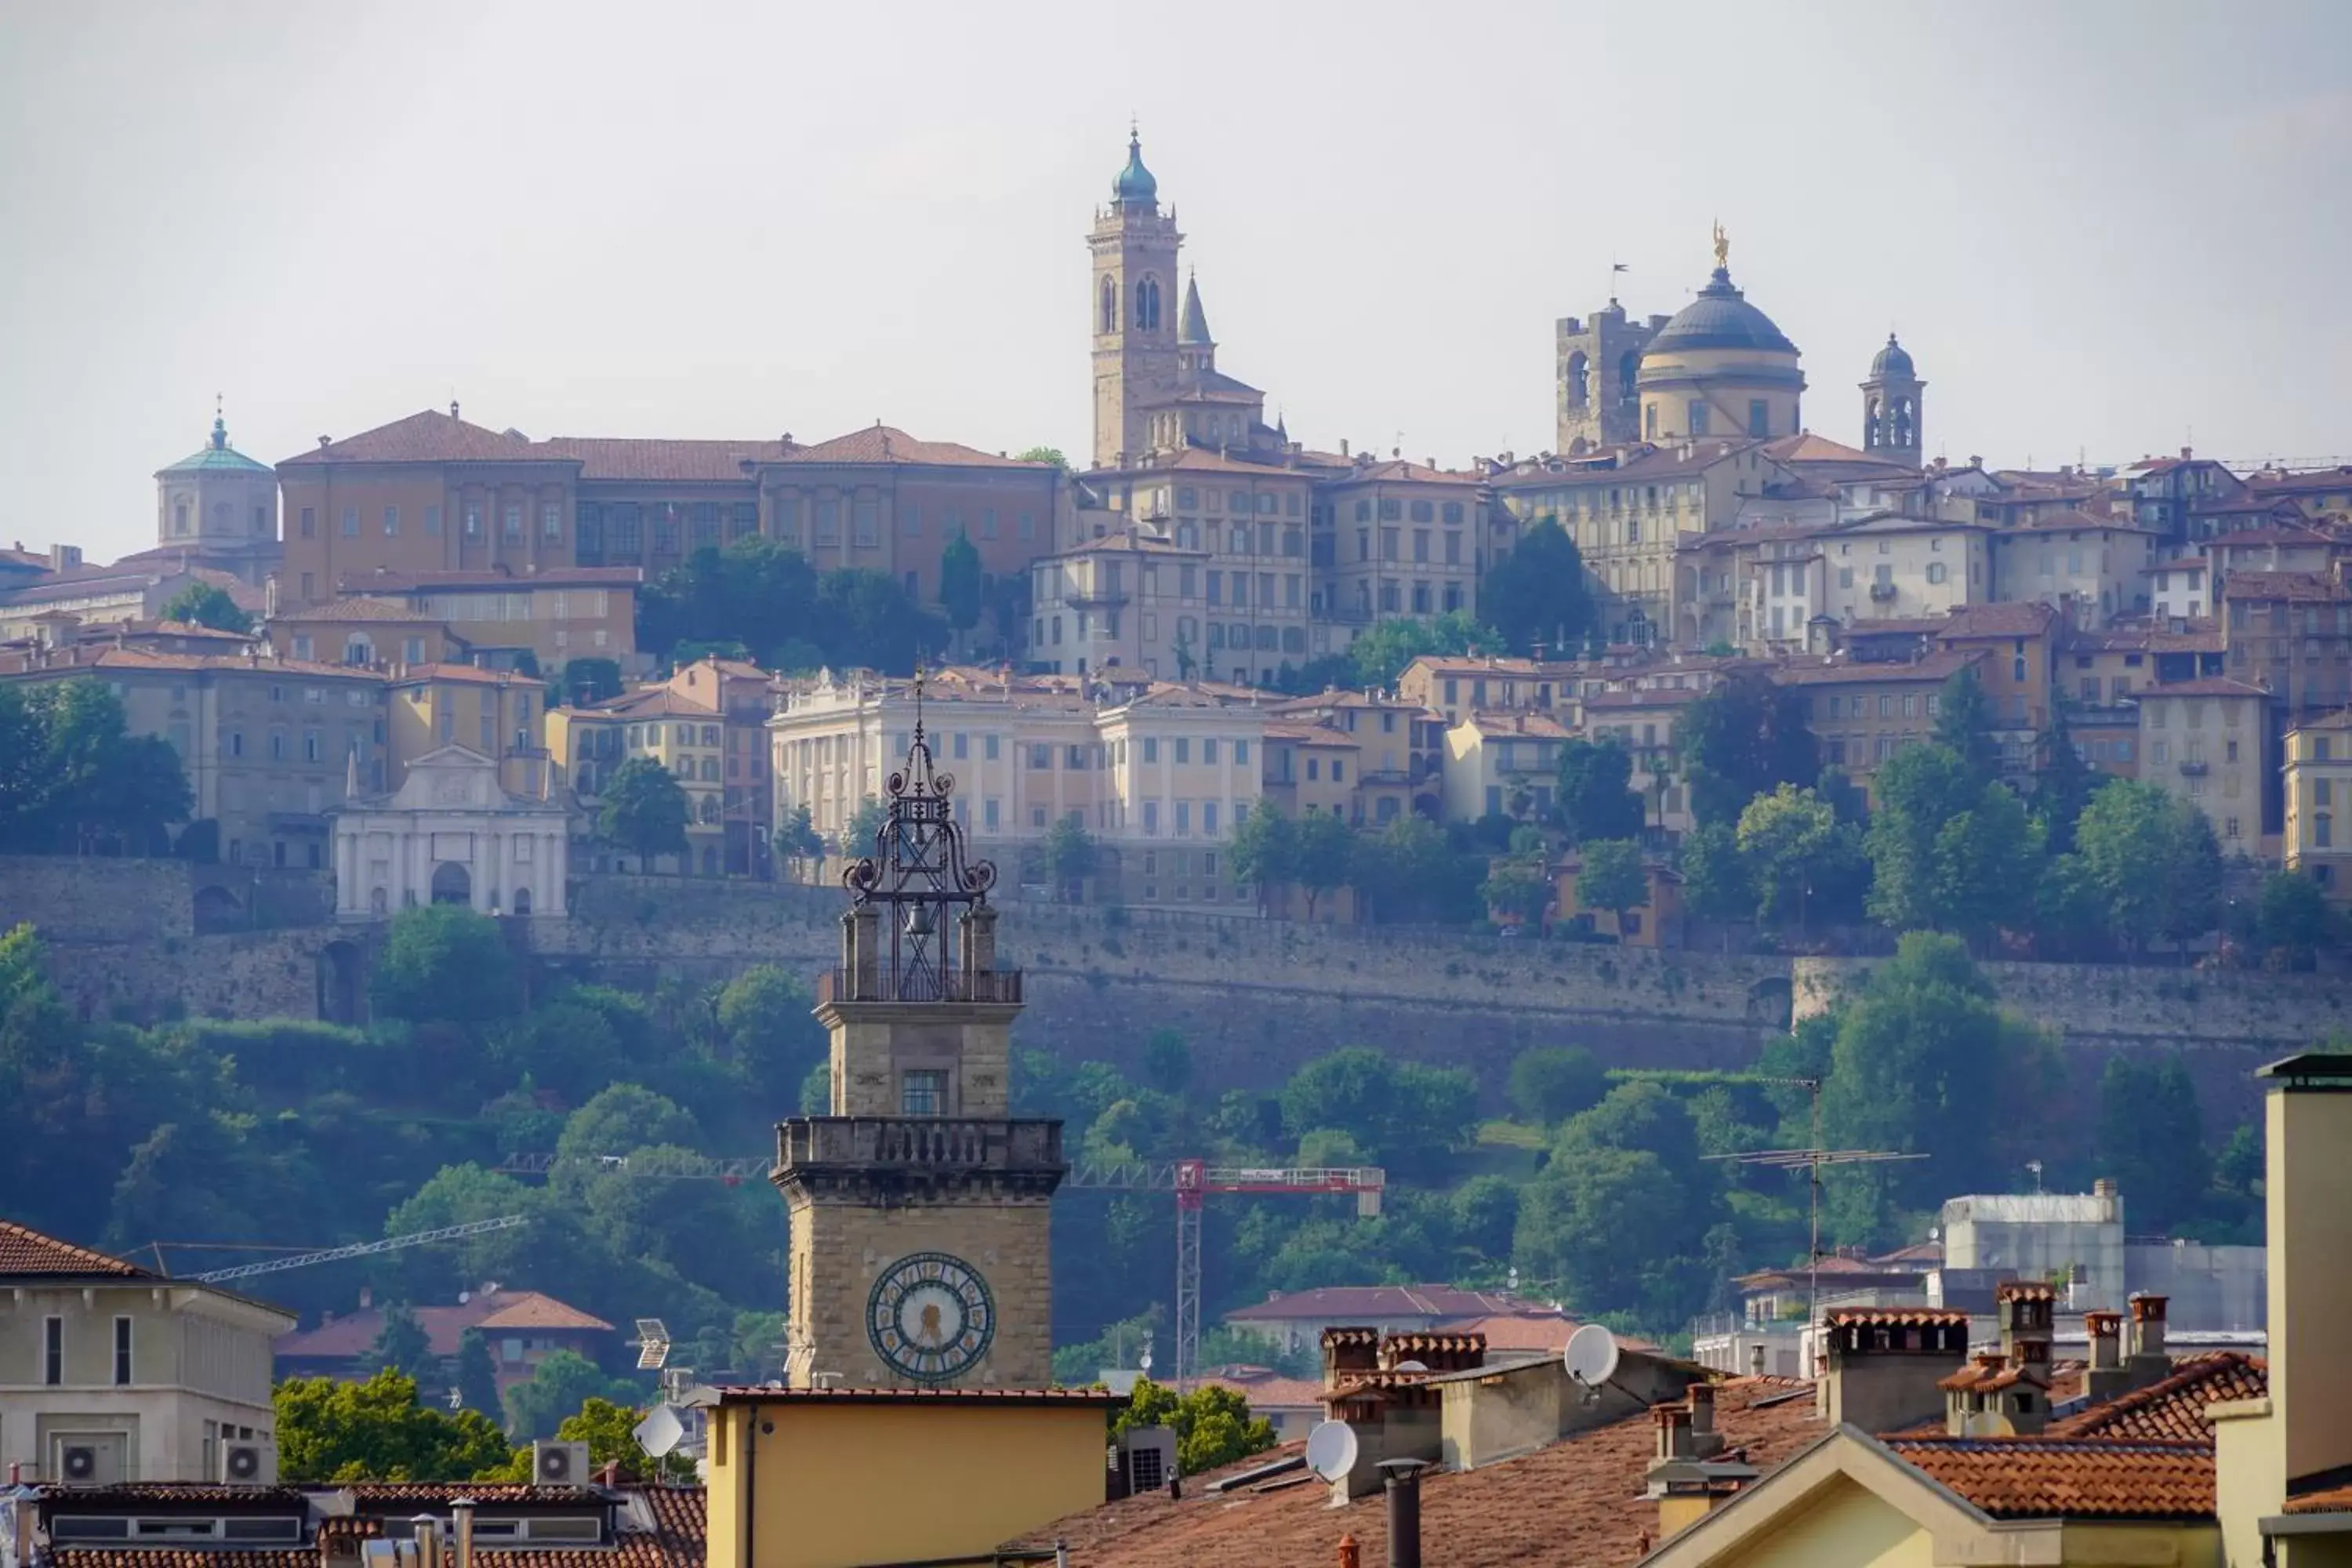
(451,834)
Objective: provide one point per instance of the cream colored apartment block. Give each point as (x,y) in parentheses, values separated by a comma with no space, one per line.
(2204,741)
(2318,790)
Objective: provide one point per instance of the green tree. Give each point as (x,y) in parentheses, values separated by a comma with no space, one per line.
(1620,1215)
(1403,1115)
(444,964)
(1407,871)
(1925,1062)
(1166,1061)
(1613,877)
(1069,855)
(1716,883)
(1745,738)
(2153,859)
(73,779)
(1550,1084)
(2063,788)
(1379,654)
(1597,799)
(207,604)
(478,1374)
(1965,720)
(799,839)
(765,1015)
(1043,455)
(609,1428)
(1949,849)
(645,811)
(816,1091)
(401,1345)
(961,582)
(1212,1424)
(1325,852)
(329,1430)
(2150,1137)
(1536,593)
(1517,888)
(560,1384)
(589,679)
(1786,837)
(2293,921)
(1264,852)
(865,828)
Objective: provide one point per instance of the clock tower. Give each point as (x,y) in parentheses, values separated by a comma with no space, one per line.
(920,1206)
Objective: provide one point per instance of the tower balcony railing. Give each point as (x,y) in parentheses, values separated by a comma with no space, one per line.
(883,984)
(916,1144)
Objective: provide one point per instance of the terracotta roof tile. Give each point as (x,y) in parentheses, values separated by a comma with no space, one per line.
(1897,1316)
(1345,1304)
(354,1334)
(2044,1477)
(758,1394)
(384,580)
(609,458)
(429,437)
(183,1557)
(24,1250)
(881,444)
(2296,587)
(1267,1389)
(1578,1503)
(533,1310)
(2174,1409)
(2212,686)
(2335,1499)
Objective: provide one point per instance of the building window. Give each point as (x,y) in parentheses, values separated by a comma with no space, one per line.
(551,521)
(53,1350)
(392,523)
(309,522)
(1760,417)
(1697,418)
(121,1353)
(351,522)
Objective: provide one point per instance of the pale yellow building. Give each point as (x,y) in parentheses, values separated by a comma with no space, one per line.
(495,713)
(1892,568)
(2318,790)
(1131,600)
(2207,742)
(1157,774)
(1406,540)
(2095,567)
(1503,765)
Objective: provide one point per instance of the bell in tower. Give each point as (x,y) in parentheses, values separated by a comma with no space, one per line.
(920,1206)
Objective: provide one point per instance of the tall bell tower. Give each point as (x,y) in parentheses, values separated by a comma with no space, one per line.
(1134,309)
(920,1253)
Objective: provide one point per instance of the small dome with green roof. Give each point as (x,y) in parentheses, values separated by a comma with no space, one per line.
(1135,183)
(217,457)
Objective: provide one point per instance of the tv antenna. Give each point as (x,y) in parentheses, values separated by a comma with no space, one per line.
(1811,1161)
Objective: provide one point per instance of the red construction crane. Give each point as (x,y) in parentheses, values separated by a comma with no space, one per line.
(1192,1182)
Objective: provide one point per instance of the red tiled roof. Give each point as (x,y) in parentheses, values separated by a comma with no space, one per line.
(758,1394)
(1348,1304)
(353,1336)
(1897,1316)
(24,1250)
(2335,1499)
(881,444)
(2293,586)
(2311,480)
(1578,1503)
(1397,470)
(2044,1477)
(2004,620)
(182,1557)
(480,1491)
(1267,1389)
(1990,1375)
(2174,1409)
(608,458)
(430,437)
(2212,686)
(384,580)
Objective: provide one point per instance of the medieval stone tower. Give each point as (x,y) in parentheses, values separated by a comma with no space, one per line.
(1135,309)
(1890,407)
(919,1207)
(1599,361)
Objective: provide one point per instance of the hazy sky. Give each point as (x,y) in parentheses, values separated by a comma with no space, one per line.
(2099,227)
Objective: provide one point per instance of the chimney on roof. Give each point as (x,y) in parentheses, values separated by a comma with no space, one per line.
(1404,1482)
(2186,454)
(2024,1309)
(2147,1359)
(2106,1376)
(1881,1368)
(367,1297)
(1343,446)
(325,441)
(453,408)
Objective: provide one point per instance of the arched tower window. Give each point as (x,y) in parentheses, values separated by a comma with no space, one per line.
(1874,423)
(1629,375)
(1907,424)
(1147,305)
(1109,305)
(1579,379)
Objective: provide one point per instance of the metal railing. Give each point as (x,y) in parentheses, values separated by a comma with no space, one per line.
(998,985)
(917,1144)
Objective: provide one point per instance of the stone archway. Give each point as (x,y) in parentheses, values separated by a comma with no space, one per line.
(217,908)
(452,884)
(523,900)
(340,969)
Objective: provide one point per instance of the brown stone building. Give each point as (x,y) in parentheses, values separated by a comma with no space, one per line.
(2290,634)
(432,493)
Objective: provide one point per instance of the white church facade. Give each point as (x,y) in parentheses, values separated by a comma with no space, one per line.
(451,834)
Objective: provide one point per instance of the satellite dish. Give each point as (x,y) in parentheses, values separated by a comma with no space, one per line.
(659,1432)
(1331,1449)
(1592,1356)
(1412,1366)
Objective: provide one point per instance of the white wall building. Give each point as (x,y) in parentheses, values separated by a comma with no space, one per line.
(108,1373)
(451,834)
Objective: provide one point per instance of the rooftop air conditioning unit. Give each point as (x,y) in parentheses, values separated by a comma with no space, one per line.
(249,1464)
(559,1464)
(89,1461)
(1147,1459)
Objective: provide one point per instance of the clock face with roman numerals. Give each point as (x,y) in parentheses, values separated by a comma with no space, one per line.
(931,1317)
